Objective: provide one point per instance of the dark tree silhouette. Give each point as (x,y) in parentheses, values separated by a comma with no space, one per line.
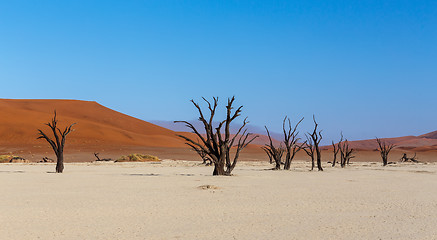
(345,153)
(101,159)
(335,149)
(58,143)
(312,148)
(290,141)
(384,149)
(218,145)
(404,158)
(274,153)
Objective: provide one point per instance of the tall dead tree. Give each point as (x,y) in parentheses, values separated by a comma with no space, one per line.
(59,141)
(384,149)
(335,149)
(314,139)
(218,145)
(290,141)
(345,153)
(274,153)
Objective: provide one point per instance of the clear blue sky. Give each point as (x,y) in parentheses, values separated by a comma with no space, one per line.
(367,68)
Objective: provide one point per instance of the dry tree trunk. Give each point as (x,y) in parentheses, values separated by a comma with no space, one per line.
(345,153)
(290,141)
(215,144)
(336,148)
(274,153)
(59,142)
(310,150)
(384,149)
(315,138)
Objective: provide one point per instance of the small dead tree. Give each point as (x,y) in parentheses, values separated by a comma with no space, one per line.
(310,150)
(404,158)
(313,140)
(216,144)
(290,142)
(335,149)
(101,159)
(384,149)
(274,153)
(345,153)
(58,143)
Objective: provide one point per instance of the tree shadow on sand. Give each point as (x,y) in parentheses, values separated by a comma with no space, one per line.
(143,174)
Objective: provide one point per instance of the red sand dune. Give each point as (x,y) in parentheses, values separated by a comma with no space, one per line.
(95,124)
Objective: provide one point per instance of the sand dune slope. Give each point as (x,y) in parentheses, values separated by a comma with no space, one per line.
(96,124)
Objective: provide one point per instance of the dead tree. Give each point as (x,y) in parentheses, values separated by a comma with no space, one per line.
(310,150)
(218,145)
(101,159)
(290,142)
(404,158)
(384,149)
(314,139)
(345,153)
(58,143)
(335,149)
(274,153)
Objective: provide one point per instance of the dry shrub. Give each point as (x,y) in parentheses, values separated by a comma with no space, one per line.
(138,158)
(12,159)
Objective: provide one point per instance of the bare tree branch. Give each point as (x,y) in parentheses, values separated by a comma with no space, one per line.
(218,145)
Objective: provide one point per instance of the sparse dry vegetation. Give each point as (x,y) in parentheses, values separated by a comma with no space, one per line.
(12,159)
(136,157)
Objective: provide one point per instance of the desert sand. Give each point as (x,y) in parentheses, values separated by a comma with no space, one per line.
(167,201)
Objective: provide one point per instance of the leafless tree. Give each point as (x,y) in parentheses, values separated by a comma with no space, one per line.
(101,159)
(218,145)
(310,150)
(345,153)
(290,141)
(335,149)
(404,158)
(274,153)
(58,143)
(384,149)
(313,141)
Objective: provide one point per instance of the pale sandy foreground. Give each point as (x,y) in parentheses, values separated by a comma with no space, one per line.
(164,201)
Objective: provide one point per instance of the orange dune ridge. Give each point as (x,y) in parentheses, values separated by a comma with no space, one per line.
(95,124)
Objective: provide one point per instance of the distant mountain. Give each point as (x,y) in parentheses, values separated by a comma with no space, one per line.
(431,135)
(425,142)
